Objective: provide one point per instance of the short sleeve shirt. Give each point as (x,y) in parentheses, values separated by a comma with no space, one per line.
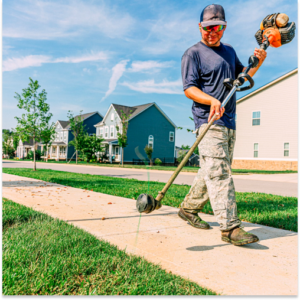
(206,68)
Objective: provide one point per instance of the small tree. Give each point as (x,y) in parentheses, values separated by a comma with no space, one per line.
(48,136)
(122,136)
(32,124)
(78,131)
(149,151)
(92,145)
(7,143)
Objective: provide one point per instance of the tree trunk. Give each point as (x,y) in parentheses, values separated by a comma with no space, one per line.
(122,157)
(76,157)
(34,162)
(47,153)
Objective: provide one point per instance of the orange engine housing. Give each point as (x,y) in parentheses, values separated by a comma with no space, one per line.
(273,36)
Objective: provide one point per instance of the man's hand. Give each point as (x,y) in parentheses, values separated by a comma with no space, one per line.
(261,54)
(215,108)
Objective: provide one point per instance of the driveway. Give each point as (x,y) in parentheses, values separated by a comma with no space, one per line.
(276,184)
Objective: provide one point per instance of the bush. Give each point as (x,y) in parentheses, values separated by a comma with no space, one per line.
(157,162)
(38,154)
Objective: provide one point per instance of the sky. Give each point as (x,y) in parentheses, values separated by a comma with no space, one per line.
(89,54)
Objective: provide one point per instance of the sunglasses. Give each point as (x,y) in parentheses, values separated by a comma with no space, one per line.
(215,28)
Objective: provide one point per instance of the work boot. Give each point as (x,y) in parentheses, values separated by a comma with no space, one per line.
(193,219)
(238,237)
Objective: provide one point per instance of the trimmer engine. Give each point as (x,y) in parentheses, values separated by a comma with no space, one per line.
(275,31)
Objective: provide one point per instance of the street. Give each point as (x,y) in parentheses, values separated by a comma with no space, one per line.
(276,184)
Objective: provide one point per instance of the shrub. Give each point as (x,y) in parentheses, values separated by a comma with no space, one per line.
(157,162)
(38,154)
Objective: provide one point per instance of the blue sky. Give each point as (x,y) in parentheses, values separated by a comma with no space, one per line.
(89,54)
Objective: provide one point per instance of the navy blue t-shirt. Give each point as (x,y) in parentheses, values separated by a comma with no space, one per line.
(205,68)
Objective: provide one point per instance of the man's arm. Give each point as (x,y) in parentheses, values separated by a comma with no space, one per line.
(197,95)
(261,55)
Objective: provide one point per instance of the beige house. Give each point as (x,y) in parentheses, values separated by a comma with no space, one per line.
(267,126)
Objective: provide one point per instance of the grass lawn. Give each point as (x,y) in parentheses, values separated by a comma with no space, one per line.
(162,168)
(266,209)
(45,256)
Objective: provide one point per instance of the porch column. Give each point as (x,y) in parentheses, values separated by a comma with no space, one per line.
(57,153)
(50,152)
(110,153)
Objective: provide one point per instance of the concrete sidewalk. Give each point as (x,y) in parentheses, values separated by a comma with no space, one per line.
(266,268)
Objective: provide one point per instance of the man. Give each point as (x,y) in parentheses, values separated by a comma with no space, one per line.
(204,67)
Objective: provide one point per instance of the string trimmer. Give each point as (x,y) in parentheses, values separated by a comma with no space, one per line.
(275,31)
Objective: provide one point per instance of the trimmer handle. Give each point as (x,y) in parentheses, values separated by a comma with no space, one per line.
(229,82)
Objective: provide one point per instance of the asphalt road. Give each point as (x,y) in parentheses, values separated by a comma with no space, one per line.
(276,184)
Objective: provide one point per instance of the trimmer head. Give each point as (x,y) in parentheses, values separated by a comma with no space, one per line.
(146,203)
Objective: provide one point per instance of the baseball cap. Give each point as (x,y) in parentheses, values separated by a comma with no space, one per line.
(213,14)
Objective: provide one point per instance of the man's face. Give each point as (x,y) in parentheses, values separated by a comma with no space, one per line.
(211,38)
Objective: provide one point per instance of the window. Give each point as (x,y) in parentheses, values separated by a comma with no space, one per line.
(286,149)
(65,137)
(256,118)
(112,116)
(106,131)
(61,136)
(57,136)
(101,132)
(111,131)
(171,136)
(151,141)
(255,149)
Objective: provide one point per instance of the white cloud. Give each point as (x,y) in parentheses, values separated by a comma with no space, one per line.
(150,65)
(149,86)
(24,62)
(117,72)
(11,64)
(78,59)
(47,20)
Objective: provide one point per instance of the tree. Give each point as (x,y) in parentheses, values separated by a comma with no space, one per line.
(37,117)
(78,131)
(122,136)
(92,145)
(48,136)
(7,143)
(149,151)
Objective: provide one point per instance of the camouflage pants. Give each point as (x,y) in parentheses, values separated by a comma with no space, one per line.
(214,180)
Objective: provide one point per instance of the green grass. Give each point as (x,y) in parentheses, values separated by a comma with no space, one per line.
(161,168)
(46,256)
(266,209)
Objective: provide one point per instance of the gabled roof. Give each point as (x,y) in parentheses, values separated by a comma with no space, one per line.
(63,124)
(268,85)
(134,111)
(66,124)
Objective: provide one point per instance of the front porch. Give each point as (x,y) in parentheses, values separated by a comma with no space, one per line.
(113,151)
(57,151)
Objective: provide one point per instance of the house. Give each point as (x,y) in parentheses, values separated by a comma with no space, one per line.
(148,125)
(25,146)
(267,126)
(60,148)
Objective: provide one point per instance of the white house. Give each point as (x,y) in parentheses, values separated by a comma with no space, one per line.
(267,126)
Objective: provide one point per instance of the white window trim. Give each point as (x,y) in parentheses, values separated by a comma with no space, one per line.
(106,127)
(152,141)
(112,131)
(255,118)
(285,149)
(101,128)
(170,136)
(112,116)
(256,150)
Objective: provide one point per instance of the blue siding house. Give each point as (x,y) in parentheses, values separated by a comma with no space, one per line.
(148,125)
(60,148)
